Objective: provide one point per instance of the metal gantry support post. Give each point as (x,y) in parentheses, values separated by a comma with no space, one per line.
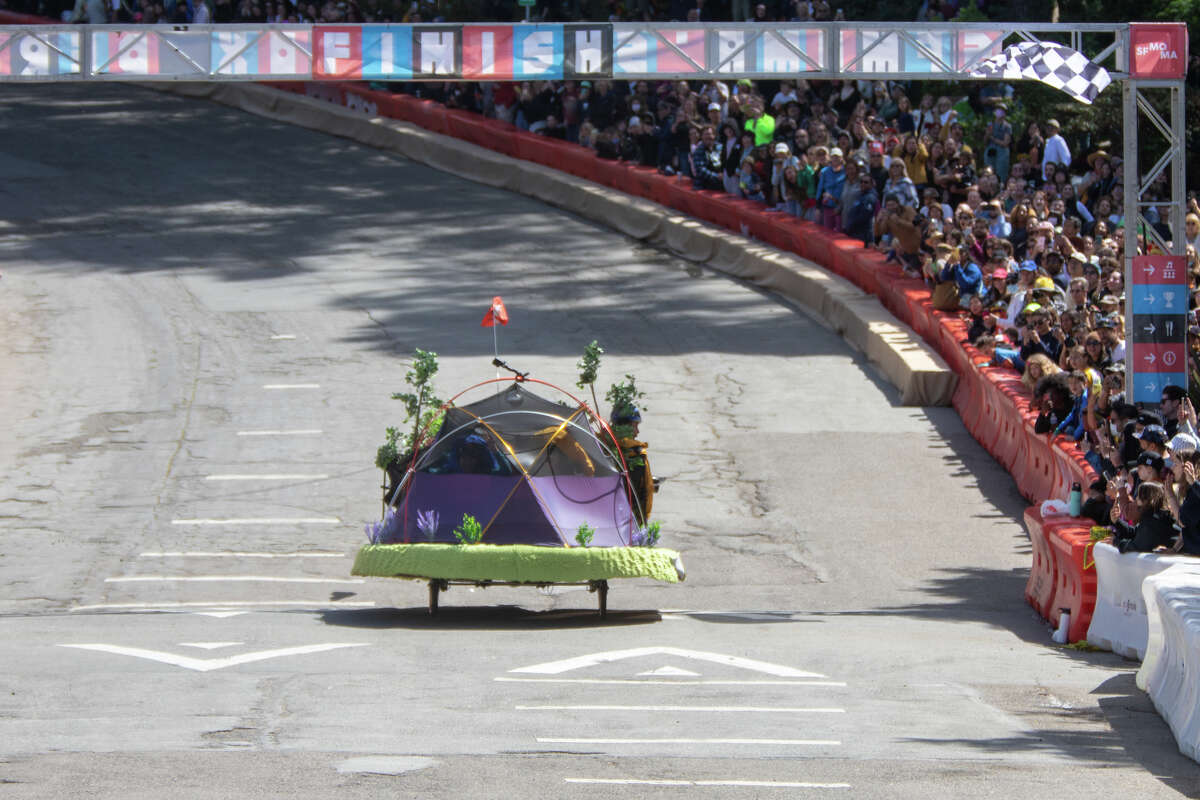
(1136,105)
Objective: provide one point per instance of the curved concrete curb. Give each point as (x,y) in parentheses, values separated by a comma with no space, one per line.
(918,371)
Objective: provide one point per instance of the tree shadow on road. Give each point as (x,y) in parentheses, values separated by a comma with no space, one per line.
(485,618)
(1136,735)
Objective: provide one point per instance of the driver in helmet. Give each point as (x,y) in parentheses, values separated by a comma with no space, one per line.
(625,423)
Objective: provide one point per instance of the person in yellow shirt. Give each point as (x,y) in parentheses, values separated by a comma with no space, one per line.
(760,123)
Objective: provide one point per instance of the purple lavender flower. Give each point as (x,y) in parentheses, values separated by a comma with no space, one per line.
(427,523)
(384,531)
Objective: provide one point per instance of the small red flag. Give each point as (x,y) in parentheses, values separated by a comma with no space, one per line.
(497,313)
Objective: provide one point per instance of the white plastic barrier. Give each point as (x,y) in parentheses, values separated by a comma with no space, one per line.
(1170,673)
(1119,621)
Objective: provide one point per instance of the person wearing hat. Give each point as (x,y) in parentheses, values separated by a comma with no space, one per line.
(1039,334)
(830,183)
(1099,180)
(1021,294)
(1056,150)
(1097,507)
(714,114)
(1107,325)
(1153,439)
(1184,502)
(781,159)
(626,421)
(996,280)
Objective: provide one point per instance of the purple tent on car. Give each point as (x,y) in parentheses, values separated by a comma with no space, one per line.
(530,470)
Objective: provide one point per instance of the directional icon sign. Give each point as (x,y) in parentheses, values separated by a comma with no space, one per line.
(1159,329)
(1158,306)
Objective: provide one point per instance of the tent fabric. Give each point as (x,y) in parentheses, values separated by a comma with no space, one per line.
(529,470)
(517,563)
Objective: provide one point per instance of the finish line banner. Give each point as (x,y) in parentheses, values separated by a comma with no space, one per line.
(510,52)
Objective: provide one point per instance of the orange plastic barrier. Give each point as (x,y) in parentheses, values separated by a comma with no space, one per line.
(1039,589)
(1074,574)
(1062,576)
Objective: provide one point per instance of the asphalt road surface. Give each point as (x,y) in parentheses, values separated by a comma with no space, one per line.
(203,317)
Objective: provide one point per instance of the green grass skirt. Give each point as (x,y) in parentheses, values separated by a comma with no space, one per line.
(517,563)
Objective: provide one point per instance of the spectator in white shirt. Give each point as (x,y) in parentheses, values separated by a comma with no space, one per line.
(1056,151)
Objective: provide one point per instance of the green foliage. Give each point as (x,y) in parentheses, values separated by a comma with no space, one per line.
(388,452)
(969,12)
(584,535)
(589,365)
(469,531)
(624,395)
(648,536)
(421,407)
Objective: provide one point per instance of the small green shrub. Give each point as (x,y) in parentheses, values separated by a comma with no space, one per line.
(469,531)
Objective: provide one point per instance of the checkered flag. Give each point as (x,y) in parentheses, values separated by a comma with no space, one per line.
(1053,64)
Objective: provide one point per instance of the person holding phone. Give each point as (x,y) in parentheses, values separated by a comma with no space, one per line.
(1144,524)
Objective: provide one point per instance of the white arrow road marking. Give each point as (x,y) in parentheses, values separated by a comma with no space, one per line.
(671,671)
(734,709)
(210,664)
(221,614)
(283,336)
(668,782)
(209,645)
(568,664)
(224,578)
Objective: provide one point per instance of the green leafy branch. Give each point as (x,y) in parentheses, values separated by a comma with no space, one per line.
(422,408)
(589,367)
(469,531)
(584,535)
(624,398)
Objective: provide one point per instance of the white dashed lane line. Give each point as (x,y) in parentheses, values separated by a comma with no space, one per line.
(261,521)
(282,476)
(299,432)
(719,709)
(217,604)
(685,740)
(224,578)
(709,783)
